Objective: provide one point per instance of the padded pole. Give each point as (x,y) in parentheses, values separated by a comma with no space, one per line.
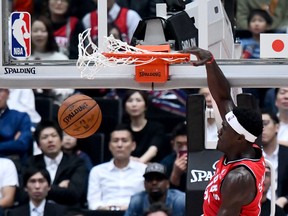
(195,113)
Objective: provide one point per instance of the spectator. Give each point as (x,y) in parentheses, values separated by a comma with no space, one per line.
(176,162)
(111,184)
(78,7)
(280,102)
(68,173)
(70,146)
(265,202)
(211,126)
(66,27)
(158,209)
(8,184)
(16,137)
(148,135)
(277,155)
(23,5)
(277,10)
(145,8)
(156,190)
(259,22)
(37,184)
(44,47)
(125,19)
(23,100)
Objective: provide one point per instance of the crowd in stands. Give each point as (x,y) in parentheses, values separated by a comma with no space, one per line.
(46,172)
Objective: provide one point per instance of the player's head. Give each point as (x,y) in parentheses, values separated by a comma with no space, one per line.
(241,126)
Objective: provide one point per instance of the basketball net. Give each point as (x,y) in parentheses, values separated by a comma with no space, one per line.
(151,61)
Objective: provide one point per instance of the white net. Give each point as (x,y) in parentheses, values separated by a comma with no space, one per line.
(92,59)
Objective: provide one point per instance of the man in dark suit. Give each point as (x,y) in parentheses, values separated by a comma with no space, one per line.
(68,173)
(276,154)
(37,184)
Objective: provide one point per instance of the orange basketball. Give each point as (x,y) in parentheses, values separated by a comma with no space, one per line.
(79,116)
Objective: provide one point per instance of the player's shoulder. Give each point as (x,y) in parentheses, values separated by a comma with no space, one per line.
(238,176)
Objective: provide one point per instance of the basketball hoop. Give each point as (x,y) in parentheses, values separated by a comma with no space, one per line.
(151,62)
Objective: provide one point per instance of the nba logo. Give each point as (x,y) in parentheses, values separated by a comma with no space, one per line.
(20,35)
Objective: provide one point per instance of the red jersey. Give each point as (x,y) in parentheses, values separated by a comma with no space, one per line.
(120,22)
(64,33)
(212,195)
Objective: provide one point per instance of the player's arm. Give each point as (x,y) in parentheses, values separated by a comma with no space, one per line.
(217,82)
(238,189)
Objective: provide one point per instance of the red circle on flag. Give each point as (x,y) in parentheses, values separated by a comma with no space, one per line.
(277,45)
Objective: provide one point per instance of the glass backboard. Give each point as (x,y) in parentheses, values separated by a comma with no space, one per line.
(64,74)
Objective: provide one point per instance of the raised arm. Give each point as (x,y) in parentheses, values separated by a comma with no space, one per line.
(217,82)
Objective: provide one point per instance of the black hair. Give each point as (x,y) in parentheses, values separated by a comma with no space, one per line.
(127,95)
(272,115)
(130,92)
(276,90)
(46,124)
(121,126)
(158,206)
(179,130)
(30,171)
(263,13)
(250,119)
(51,45)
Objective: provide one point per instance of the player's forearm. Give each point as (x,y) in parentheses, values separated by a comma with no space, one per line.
(217,82)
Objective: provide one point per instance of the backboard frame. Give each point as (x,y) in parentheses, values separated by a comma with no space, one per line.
(64,74)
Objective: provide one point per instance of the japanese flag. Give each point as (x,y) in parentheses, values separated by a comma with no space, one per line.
(274,45)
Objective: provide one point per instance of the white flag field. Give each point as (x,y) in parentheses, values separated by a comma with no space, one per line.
(274,45)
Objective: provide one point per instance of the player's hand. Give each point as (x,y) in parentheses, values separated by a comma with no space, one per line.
(203,56)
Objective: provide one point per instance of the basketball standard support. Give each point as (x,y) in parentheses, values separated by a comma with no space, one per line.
(201,161)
